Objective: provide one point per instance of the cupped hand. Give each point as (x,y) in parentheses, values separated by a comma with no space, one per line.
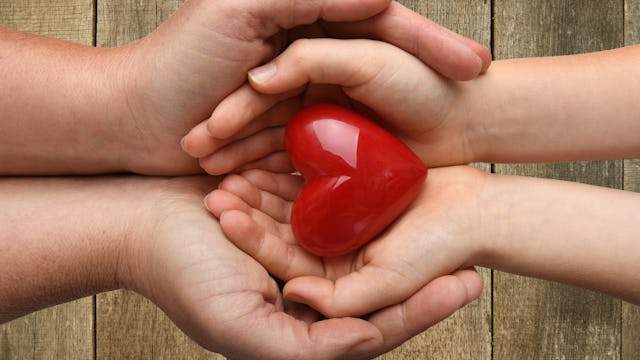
(175,77)
(433,238)
(228,302)
(424,109)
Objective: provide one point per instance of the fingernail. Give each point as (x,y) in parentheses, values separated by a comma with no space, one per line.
(183,141)
(206,202)
(294,298)
(263,73)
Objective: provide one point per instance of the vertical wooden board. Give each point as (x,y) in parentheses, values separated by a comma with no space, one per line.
(532,318)
(64,331)
(467,334)
(121,22)
(166,8)
(125,323)
(63,19)
(630,331)
(469,18)
(17,339)
(551,27)
(171,343)
(631,312)
(543,320)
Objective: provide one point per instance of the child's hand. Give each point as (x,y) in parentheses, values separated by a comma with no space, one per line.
(386,83)
(432,239)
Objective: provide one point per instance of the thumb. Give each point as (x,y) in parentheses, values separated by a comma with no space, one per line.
(272,15)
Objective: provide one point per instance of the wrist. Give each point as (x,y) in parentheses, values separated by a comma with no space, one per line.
(123,86)
(478,108)
(141,204)
(492,221)
(153,205)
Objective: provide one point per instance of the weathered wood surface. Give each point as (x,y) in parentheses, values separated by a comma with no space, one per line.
(516,318)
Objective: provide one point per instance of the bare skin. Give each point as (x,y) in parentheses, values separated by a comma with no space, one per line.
(562,231)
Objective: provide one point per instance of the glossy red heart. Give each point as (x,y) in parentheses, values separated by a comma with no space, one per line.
(358,178)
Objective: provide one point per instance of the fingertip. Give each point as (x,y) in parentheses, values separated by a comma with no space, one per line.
(221,201)
(198,143)
(472,281)
(261,75)
(486,57)
(312,291)
(206,201)
(215,126)
(469,68)
(210,166)
(188,143)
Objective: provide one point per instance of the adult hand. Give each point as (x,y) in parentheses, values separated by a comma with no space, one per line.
(86,110)
(229,303)
(179,73)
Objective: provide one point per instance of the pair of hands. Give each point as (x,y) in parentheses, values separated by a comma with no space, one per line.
(246,131)
(226,300)
(217,294)
(173,79)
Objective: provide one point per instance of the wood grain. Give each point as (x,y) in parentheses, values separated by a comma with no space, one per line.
(71,20)
(630,312)
(537,319)
(65,331)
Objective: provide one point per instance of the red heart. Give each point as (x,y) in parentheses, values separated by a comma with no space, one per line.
(359,178)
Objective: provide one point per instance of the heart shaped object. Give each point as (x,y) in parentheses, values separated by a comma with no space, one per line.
(358,178)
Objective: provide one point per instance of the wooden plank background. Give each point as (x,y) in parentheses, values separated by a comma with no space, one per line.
(516,317)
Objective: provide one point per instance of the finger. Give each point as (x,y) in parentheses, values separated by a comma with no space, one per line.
(264,222)
(272,205)
(355,294)
(472,281)
(302,312)
(351,64)
(284,259)
(277,162)
(198,142)
(325,93)
(286,186)
(219,201)
(244,106)
(375,74)
(451,54)
(288,14)
(243,151)
(254,333)
(433,303)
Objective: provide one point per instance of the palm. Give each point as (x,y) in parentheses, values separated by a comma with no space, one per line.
(255,212)
(270,224)
(228,302)
(206,285)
